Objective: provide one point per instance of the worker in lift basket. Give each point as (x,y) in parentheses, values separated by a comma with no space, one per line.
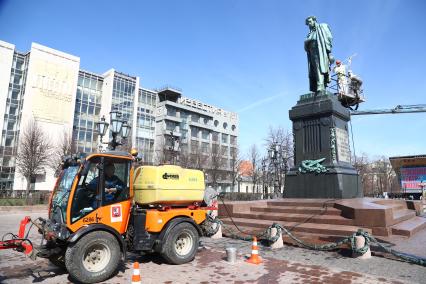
(340,70)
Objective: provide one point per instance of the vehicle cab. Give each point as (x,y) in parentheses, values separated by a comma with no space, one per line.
(96,190)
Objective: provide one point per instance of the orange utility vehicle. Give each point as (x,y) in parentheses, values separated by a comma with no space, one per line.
(103,206)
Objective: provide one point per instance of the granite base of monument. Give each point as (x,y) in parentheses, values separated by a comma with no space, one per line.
(336,185)
(322,157)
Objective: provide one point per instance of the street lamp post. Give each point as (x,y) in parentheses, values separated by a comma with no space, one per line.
(239,179)
(264,188)
(117,127)
(275,156)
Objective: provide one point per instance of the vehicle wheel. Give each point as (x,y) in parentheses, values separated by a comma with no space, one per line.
(181,243)
(93,258)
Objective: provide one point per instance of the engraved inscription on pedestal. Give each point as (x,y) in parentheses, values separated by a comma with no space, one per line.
(343,150)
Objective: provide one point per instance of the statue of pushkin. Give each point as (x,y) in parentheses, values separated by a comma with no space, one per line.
(318,44)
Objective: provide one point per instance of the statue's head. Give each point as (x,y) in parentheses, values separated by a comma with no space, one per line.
(310,21)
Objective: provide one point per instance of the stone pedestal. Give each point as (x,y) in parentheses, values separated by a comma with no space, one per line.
(320,129)
(359,243)
(279,243)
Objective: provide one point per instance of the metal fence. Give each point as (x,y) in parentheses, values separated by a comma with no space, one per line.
(18,197)
(241,196)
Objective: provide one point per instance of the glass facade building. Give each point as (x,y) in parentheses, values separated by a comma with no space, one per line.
(123,95)
(86,113)
(201,130)
(145,126)
(73,100)
(12,119)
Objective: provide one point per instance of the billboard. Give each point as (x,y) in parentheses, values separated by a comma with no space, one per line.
(412,177)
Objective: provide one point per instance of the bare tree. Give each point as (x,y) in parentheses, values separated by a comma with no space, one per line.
(126,144)
(363,167)
(384,174)
(34,153)
(235,163)
(281,139)
(184,157)
(377,175)
(197,158)
(284,139)
(254,156)
(216,165)
(65,147)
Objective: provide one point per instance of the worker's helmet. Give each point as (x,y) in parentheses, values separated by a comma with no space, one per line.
(338,62)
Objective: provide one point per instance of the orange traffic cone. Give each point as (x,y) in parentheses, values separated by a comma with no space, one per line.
(254,258)
(136,277)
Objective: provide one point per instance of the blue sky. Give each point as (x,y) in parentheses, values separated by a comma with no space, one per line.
(245,56)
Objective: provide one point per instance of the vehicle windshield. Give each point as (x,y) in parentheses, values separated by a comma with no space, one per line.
(62,192)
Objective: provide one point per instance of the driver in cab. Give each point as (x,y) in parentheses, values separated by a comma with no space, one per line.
(113,185)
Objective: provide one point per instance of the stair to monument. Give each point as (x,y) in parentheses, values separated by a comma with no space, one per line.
(297,210)
(322,219)
(311,238)
(314,219)
(409,227)
(402,215)
(313,228)
(302,202)
(291,217)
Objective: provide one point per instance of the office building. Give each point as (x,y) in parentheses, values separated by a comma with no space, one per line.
(47,86)
(195,134)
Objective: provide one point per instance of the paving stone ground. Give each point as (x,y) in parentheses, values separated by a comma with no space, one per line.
(285,265)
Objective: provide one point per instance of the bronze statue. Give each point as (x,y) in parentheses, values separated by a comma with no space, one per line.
(318,45)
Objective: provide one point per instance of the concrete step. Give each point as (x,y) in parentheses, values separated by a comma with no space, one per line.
(403,215)
(325,229)
(290,217)
(301,202)
(297,210)
(409,227)
(396,207)
(315,239)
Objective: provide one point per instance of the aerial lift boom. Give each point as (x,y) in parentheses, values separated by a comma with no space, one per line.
(396,110)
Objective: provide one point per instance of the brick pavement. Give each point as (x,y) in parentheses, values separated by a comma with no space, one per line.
(286,265)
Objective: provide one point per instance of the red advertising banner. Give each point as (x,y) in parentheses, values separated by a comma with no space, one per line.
(412,177)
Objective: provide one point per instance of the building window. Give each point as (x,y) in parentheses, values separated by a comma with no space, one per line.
(194,132)
(195,117)
(194,146)
(171,126)
(215,137)
(233,127)
(183,115)
(216,123)
(233,152)
(205,147)
(233,140)
(205,134)
(215,149)
(224,138)
(224,150)
(225,125)
(171,111)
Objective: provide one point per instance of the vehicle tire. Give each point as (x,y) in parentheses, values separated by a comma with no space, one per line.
(93,258)
(180,244)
